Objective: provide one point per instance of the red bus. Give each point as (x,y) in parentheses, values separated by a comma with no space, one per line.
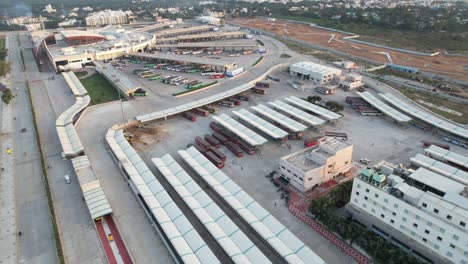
(216,127)
(235,149)
(213,141)
(258,90)
(202,143)
(220,138)
(189,117)
(200,149)
(236,102)
(427,144)
(214,159)
(216,76)
(247,147)
(218,153)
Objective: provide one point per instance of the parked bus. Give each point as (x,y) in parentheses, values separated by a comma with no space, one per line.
(217,76)
(213,141)
(246,147)
(202,143)
(234,149)
(214,159)
(192,70)
(190,117)
(427,144)
(226,104)
(149,65)
(336,134)
(210,109)
(222,139)
(208,72)
(140,92)
(218,153)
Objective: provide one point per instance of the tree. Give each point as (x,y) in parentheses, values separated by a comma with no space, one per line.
(7,96)
(334,106)
(314,99)
(4,68)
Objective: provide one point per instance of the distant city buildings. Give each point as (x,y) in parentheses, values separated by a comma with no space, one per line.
(423,210)
(107,17)
(31,23)
(68,23)
(313,166)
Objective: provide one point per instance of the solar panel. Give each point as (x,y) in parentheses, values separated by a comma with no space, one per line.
(279,118)
(299,114)
(186,241)
(313,108)
(426,117)
(286,244)
(240,130)
(236,244)
(386,109)
(261,124)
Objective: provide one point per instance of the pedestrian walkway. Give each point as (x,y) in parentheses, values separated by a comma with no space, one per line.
(7,189)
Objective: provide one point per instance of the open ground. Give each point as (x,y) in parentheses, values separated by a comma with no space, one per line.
(450,66)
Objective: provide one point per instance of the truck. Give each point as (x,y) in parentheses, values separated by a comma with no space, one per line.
(262,84)
(258,90)
(247,147)
(210,109)
(242,97)
(214,159)
(236,102)
(218,153)
(222,139)
(217,76)
(202,143)
(190,117)
(213,141)
(201,112)
(226,104)
(234,149)
(344,136)
(234,72)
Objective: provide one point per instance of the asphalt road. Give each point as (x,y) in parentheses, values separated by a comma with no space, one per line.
(37,244)
(50,98)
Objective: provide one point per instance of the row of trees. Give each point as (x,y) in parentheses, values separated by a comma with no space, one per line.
(332,105)
(377,247)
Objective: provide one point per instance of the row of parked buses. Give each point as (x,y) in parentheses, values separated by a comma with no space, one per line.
(209,52)
(208,146)
(231,141)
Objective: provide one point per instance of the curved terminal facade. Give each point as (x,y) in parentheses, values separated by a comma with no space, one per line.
(75,49)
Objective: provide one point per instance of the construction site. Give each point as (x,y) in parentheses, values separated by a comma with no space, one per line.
(438,64)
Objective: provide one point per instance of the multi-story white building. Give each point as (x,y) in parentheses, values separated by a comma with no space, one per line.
(314,71)
(107,17)
(313,166)
(422,211)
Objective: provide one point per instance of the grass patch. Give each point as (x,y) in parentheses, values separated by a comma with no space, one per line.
(412,40)
(2,42)
(50,202)
(258,61)
(430,98)
(100,90)
(80,74)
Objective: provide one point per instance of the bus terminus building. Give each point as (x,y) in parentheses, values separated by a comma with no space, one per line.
(315,165)
(424,211)
(313,71)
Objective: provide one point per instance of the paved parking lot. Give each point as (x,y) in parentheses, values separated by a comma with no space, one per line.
(376,138)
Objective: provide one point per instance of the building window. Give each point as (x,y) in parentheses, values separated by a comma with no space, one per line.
(436,247)
(404,219)
(283,167)
(382,215)
(358,185)
(365,198)
(439,238)
(376,196)
(395,205)
(392,221)
(295,174)
(289,171)
(309,179)
(417,217)
(455,237)
(462,223)
(367,190)
(424,239)
(436,210)
(415,225)
(429,223)
(449,254)
(424,205)
(413,233)
(442,230)
(452,245)
(449,217)
(426,231)
(393,213)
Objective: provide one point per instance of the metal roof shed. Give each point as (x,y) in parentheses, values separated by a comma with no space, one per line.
(74,83)
(264,126)
(386,109)
(240,130)
(68,116)
(447,155)
(441,168)
(313,108)
(299,114)
(279,118)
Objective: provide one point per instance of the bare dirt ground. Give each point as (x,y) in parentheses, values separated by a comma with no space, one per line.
(142,137)
(450,66)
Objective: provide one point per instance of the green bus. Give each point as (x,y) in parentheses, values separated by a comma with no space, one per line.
(135,61)
(192,70)
(149,65)
(153,78)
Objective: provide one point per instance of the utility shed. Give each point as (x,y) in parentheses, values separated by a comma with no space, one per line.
(314,71)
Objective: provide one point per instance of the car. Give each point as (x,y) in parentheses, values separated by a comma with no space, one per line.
(67,179)
(365,161)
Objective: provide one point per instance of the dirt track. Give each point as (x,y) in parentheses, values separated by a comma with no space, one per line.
(450,66)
